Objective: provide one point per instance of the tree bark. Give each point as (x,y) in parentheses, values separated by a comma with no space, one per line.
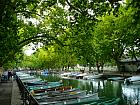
(98,66)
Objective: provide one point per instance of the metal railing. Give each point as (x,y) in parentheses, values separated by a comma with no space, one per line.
(27,98)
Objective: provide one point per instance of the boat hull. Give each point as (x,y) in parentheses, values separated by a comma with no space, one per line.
(80,100)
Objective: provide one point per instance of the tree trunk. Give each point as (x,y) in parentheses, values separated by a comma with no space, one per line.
(63,68)
(118,65)
(68,67)
(1,71)
(89,68)
(102,67)
(98,66)
(134,55)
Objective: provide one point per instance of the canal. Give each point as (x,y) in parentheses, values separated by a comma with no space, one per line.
(129,95)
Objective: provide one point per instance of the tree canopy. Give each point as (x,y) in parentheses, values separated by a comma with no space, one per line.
(89,32)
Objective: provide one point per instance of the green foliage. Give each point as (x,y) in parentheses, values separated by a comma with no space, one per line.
(89,32)
(113,35)
(15,28)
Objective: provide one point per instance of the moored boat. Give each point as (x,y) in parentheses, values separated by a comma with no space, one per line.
(94,76)
(44,88)
(116,78)
(35,83)
(65,75)
(80,100)
(61,97)
(54,92)
(132,80)
(57,88)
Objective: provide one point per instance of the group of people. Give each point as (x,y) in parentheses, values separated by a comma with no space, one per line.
(7,75)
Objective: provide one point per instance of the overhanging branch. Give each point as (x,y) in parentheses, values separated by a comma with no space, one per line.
(40,38)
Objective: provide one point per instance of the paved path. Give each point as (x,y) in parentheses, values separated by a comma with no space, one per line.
(16,97)
(9,93)
(5,93)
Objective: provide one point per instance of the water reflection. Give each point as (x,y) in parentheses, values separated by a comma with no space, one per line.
(129,95)
(104,88)
(132,94)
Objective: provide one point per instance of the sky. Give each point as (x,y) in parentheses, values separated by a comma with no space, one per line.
(31,48)
(29,52)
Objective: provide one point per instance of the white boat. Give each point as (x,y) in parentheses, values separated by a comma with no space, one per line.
(94,76)
(65,75)
(81,75)
(116,78)
(132,80)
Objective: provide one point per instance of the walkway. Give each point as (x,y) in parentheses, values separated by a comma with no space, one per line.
(5,93)
(16,97)
(9,93)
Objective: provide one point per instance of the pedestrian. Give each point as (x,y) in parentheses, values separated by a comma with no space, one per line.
(9,75)
(5,75)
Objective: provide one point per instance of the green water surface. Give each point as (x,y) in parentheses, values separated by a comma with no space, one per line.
(129,95)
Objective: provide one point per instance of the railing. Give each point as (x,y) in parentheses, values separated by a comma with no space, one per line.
(27,98)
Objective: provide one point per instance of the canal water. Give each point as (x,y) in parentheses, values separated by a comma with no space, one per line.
(129,95)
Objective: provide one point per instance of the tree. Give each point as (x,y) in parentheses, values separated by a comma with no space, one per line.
(15,33)
(116,33)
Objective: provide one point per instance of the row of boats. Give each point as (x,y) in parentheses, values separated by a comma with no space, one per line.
(85,76)
(55,93)
(80,75)
(130,80)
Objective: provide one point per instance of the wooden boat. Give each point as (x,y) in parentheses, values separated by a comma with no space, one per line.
(80,76)
(56,92)
(35,83)
(61,88)
(65,98)
(97,76)
(75,101)
(61,97)
(27,77)
(20,74)
(90,77)
(116,78)
(57,88)
(65,75)
(44,88)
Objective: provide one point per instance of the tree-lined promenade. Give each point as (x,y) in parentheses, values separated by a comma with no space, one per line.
(89,32)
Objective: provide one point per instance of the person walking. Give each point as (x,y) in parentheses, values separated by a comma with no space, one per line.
(4,76)
(9,75)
